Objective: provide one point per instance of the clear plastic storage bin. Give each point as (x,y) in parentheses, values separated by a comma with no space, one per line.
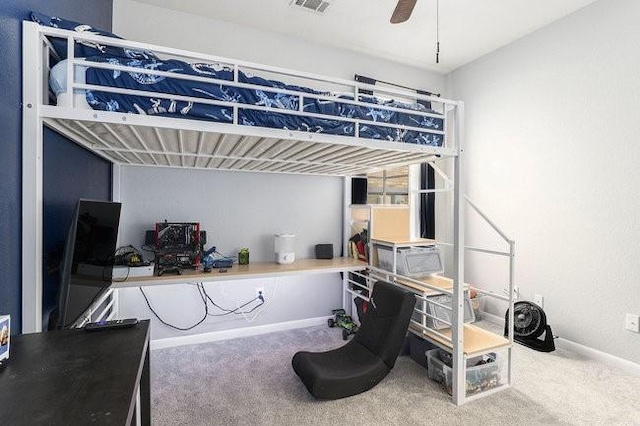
(483,372)
(411,261)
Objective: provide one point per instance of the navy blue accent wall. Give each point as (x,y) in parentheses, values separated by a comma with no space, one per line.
(12,13)
(69,173)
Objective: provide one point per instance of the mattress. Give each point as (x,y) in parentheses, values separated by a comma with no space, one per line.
(281,98)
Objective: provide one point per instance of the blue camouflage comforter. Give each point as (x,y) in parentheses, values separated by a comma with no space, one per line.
(282,103)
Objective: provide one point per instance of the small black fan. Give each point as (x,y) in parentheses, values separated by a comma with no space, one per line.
(529,323)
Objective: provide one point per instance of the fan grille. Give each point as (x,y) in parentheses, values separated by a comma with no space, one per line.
(529,320)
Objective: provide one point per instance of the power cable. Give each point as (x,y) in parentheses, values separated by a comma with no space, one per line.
(205,299)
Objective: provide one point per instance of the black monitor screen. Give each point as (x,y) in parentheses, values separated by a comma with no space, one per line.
(87,265)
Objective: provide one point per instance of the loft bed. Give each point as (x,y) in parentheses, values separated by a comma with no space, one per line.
(163,107)
(139,104)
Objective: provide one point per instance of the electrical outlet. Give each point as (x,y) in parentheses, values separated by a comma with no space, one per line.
(631,323)
(538,299)
(259,291)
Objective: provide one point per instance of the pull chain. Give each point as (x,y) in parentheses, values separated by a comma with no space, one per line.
(437,31)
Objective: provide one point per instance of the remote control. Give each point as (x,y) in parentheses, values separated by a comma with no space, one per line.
(106,325)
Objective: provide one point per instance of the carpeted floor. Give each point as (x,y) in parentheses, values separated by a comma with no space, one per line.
(250,381)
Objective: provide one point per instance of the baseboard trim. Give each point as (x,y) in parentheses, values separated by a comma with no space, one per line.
(614,361)
(215,336)
(611,360)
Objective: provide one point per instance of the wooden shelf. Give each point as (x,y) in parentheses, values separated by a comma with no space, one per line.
(476,340)
(437,281)
(403,241)
(252,270)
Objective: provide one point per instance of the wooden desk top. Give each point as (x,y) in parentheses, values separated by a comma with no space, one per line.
(73,377)
(252,270)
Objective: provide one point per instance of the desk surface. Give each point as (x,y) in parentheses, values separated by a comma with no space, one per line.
(252,270)
(73,377)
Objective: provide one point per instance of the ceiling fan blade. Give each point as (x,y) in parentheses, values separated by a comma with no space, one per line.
(402,11)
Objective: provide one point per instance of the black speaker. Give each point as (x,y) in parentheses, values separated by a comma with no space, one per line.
(324,251)
(150,237)
(358,190)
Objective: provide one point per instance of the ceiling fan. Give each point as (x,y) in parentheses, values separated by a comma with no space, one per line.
(402,11)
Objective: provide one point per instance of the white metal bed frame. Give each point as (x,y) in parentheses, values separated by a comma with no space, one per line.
(132,139)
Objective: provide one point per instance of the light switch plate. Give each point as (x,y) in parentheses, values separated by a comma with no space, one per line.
(632,323)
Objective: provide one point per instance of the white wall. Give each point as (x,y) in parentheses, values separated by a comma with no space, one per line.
(237,209)
(240,209)
(551,153)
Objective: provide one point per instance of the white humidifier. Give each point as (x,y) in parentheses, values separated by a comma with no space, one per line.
(284,247)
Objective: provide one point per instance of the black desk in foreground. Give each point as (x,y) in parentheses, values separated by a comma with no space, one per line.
(75,377)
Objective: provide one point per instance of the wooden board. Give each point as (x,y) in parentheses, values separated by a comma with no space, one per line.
(392,222)
(476,340)
(437,281)
(403,240)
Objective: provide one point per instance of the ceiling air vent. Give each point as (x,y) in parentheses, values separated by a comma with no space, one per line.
(318,6)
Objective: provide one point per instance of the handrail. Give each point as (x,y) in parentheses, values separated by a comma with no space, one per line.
(510,315)
(109,41)
(489,221)
(236,83)
(241,105)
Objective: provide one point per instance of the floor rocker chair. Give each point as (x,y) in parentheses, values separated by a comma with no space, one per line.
(363,362)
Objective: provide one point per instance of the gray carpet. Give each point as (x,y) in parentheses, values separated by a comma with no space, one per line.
(250,381)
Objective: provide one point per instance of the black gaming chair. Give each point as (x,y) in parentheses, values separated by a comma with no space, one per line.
(363,362)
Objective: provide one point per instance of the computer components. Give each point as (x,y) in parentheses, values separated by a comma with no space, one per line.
(178,245)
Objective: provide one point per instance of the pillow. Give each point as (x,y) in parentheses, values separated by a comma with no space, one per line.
(86,48)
